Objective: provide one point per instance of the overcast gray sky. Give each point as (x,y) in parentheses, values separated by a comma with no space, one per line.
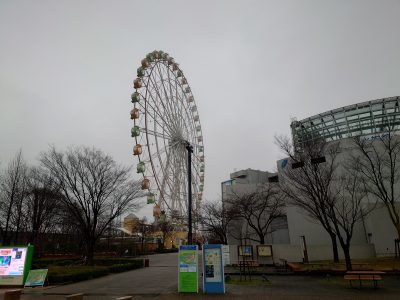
(66,70)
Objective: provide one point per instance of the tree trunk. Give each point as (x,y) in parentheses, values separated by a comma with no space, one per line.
(262,239)
(335,248)
(346,251)
(90,253)
(398,230)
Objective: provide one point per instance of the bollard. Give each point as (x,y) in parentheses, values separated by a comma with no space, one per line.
(75,297)
(12,295)
(125,298)
(146,262)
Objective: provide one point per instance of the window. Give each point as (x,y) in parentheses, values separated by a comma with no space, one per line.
(273,179)
(298,164)
(318,160)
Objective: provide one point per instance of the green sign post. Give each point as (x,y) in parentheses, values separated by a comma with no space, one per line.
(188,269)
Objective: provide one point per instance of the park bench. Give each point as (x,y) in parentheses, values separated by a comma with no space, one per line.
(361,276)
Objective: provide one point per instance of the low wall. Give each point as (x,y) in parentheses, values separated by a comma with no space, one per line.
(293,253)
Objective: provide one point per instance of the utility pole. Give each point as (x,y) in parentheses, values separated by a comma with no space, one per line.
(189,149)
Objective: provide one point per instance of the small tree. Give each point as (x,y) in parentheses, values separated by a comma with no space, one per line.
(378,162)
(307,181)
(166,227)
(95,190)
(215,220)
(347,208)
(144,229)
(259,209)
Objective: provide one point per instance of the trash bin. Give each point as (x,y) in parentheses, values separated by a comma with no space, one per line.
(146,262)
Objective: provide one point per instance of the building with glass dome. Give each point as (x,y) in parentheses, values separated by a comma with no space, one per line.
(366,118)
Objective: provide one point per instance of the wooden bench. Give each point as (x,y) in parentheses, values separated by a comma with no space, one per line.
(361,276)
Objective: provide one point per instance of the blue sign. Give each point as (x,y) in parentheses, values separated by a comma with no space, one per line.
(213,270)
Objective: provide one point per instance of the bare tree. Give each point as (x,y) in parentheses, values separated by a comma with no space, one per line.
(378,161)
(12,193)
(95,190)
(166,227)
(307,181)
(215,220)
(347,208)
(144,229)
(43,203)
(259,209)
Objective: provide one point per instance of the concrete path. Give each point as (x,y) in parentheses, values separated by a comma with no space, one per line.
(160,278)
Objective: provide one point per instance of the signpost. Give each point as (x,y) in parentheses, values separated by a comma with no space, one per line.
(188,269)
(36,278)
(213,269)
(15,263)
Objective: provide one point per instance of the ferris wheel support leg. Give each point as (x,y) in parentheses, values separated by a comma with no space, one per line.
(189,149)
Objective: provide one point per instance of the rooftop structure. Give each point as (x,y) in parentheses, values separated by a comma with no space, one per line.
(370,117)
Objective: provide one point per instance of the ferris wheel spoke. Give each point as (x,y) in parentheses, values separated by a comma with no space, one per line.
(163,116)
(167,112)
(171,86)
(165,124)
(154,133)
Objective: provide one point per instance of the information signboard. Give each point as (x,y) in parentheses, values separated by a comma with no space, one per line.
(188,269)
(264,250)
(36,277)
(213,269)
(15,263)
(225,255)
(245,250)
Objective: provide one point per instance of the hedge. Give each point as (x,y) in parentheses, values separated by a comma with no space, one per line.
(63,271)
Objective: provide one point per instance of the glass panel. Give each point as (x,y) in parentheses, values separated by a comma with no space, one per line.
(365,115)
(390,110)
(362,110)
(354,117)
(341,120)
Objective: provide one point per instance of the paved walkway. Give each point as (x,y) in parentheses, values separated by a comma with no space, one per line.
(159,281)
(159,278)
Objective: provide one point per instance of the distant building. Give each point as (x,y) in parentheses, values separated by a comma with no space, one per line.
(130,223)
(247,181)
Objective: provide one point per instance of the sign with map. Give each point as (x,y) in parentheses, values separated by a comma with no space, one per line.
(213,269)
(188,265)
(36,277)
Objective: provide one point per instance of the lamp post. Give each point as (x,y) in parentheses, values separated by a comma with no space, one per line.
(189,149)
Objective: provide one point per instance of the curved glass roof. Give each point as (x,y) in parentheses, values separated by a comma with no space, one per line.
(371,117)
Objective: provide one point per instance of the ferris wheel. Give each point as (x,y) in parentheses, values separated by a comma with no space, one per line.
(165,122)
